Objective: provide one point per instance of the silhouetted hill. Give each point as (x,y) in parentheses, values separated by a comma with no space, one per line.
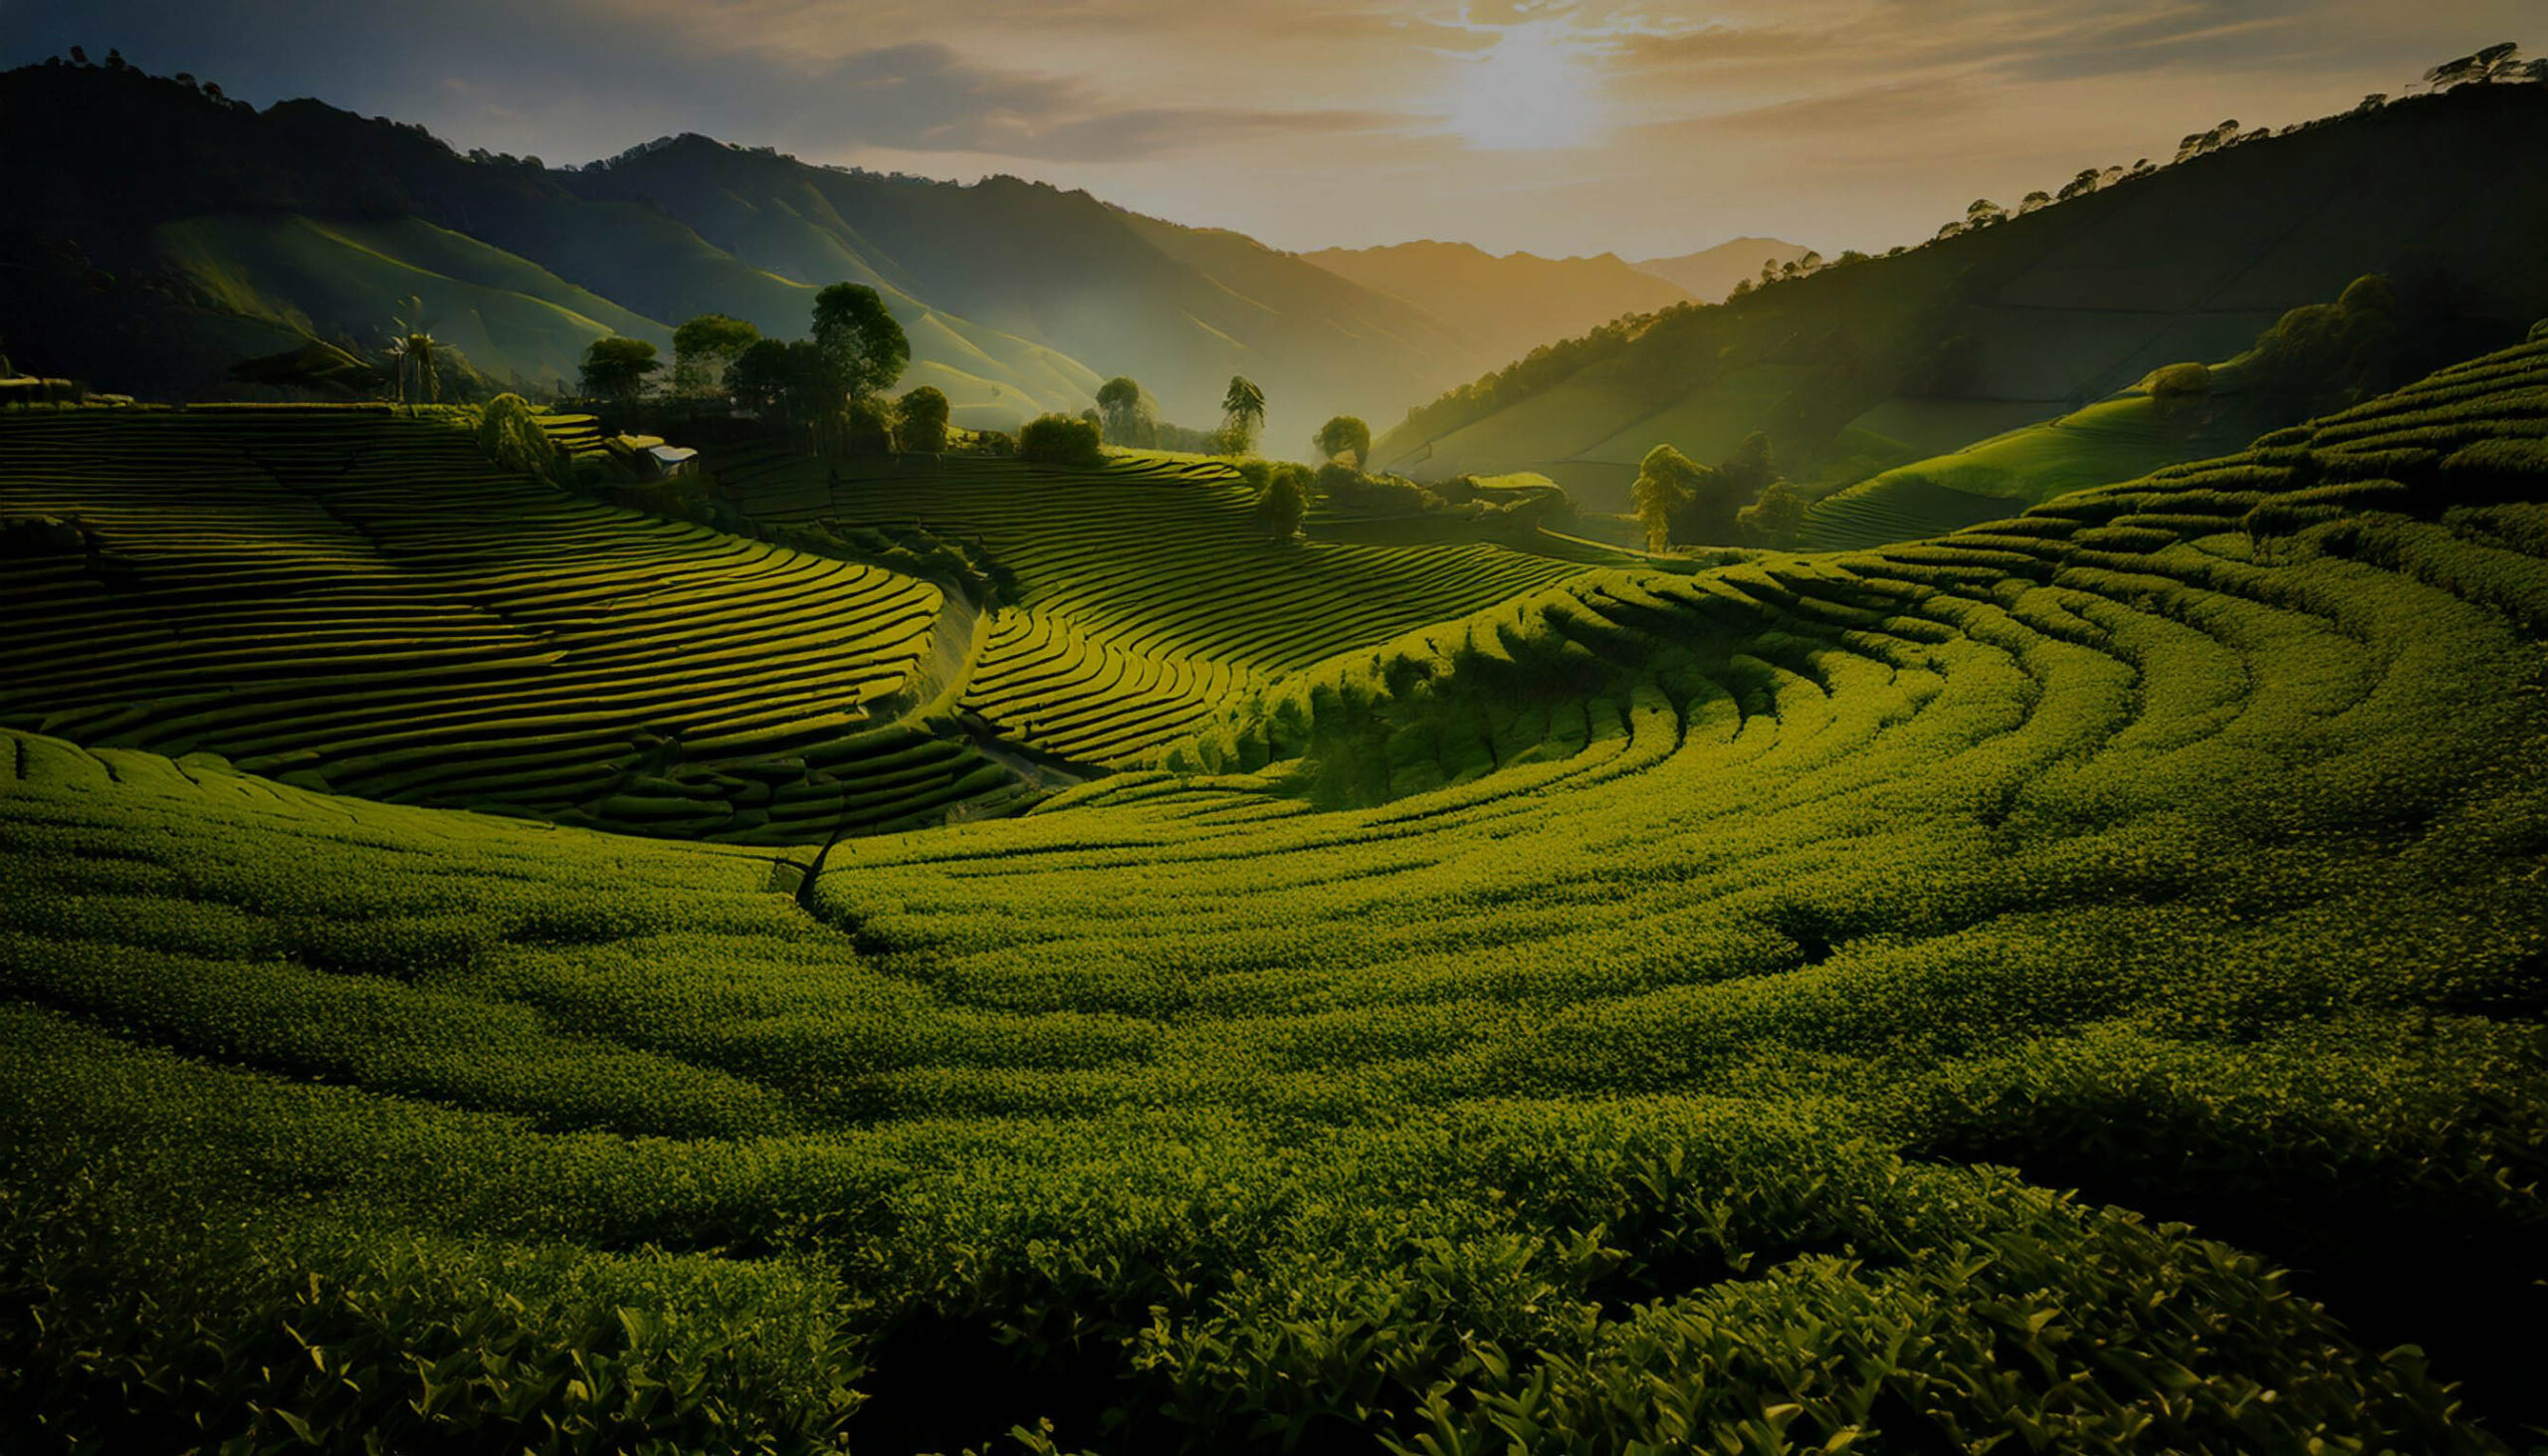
(166,234)
(1179,308)
(1507,305)
(162,234)
(1711,273)
(1880,362)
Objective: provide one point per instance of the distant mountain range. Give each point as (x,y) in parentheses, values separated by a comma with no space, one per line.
(1505,305)
(1881,362)
(1710,275)
(161,235)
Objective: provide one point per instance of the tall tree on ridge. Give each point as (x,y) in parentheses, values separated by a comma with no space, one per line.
(1242,414)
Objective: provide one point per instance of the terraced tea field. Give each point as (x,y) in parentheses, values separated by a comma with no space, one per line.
(1147,585)
(1649,1009)
(347,600)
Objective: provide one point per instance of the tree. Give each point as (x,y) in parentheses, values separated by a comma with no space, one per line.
(616,368)
(1665,484)
(1711,500)
(411,354)
(1283,502)
(1061,440)
(1242,414)
(1774,519)
(1125,414)
(509,431)
(2033,201)
(704,347)
(923,412)
(794,386)
(859,339)
(758,378)
(1750,469)
(1341,436)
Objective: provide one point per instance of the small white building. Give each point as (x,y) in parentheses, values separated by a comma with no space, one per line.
(672,460)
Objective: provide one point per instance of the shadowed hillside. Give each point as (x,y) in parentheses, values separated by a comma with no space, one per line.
(1179,308)
(237,233)
(1876,362)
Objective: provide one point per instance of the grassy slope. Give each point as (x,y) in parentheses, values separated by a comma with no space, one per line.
(2066,306)
(358,601)
(343,280)
(1674,1029)
(2113,439)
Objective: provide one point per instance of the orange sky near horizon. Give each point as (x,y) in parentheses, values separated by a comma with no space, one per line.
(1555,125)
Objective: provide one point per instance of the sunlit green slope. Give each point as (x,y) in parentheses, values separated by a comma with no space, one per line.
(2113,439)
(352,600)
(1653,1010)
(510,318)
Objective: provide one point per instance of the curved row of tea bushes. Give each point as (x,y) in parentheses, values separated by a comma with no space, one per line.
(360,602)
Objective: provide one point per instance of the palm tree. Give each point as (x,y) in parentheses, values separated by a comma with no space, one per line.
(411,349)
(1243,408)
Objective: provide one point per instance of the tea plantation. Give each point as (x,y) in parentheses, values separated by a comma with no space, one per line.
(1150,590)
(350,600)
(2072,985)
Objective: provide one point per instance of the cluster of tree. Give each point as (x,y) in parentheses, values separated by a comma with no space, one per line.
(1282,490)
(1127,416)
(2495,65)
(1741,498)
(1062,440)
(830,387)
(2321,355)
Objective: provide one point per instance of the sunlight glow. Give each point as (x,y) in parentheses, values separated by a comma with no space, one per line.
(1532,92)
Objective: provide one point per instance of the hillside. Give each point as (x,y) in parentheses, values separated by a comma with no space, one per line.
(1879,362)
(1179,308)
(1711,273)
(1505,305)
(1649,1009)
(237,233)
(2131,434)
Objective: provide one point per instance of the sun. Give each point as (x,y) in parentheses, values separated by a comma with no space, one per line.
(1533,91)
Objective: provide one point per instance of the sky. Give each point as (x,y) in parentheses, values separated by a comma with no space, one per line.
(1560,127)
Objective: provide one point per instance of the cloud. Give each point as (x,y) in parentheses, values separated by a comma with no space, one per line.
(922,97)
(1309,121)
